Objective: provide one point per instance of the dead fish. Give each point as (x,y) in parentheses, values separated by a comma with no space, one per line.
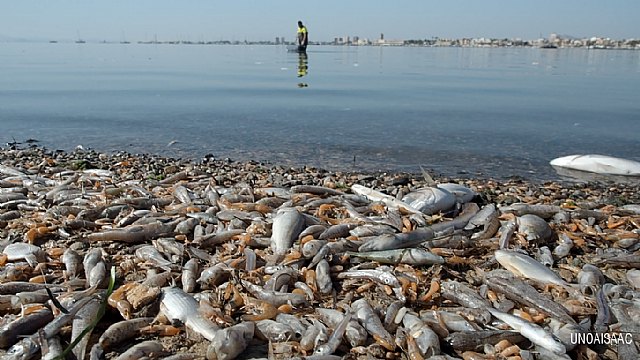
(525,266)
(534,228)
(410,256)
(323,277)
(462,193)
(151,254)
(430,200)
(189,275)
(23,325)
(336,337)
(541,210)
(475,340)
(633,276)
(23,251)
(274,331)
(231,342)
(525,294)
(83,319)
(531,331)
(388,200)
(178,305)
(72,263)
(144,349)
(287,225)
(590,278)
(134,233)
(355,334)
(487,219)
(427,341)
(274,297)
(371,322)
(316,190)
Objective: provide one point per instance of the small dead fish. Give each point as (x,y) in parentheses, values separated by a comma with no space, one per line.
(355,334)
(365,315)
(380,276)
(308,339)
(22,251)
(82,320)
(525,294)
(487,219)
(462,294)
(541,210)
(525,266)
(274,297)
(531,331)
(564,247)
(323,277)
(274,331)
(462,193)
(151,254)
(430,200)
(411,256)
(141,350)
(312,247)
(388,200)
(316,190)
(337,231)
(633,276)
(426,340)
(189,275)
(72,263)
(534,228)
(231,342)
(178,305)
(134,233)
(23,325)
(121,331)
(336,337)
(287,225)
(475,340)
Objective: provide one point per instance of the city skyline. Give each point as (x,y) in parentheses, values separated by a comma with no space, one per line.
(199,20)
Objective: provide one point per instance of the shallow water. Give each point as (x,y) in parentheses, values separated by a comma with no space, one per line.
(494,112)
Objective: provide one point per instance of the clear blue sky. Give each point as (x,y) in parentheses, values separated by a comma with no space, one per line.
(326,19)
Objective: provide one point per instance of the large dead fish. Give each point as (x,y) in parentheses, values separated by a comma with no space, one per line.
(599,164)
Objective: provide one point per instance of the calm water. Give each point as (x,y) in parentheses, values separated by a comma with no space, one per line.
(495,112)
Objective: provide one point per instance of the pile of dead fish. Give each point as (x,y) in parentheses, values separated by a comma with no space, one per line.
(231,260)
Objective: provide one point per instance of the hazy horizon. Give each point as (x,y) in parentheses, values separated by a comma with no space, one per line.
(254,20)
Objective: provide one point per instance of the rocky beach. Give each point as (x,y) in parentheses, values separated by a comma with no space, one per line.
(157,257)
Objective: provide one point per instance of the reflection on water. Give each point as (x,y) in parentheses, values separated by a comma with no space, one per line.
(303,67)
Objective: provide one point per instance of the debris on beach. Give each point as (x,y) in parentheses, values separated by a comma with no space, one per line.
(240,260)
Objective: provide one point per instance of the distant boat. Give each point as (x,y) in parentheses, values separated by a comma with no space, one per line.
(548,46)
(79,41)
(53,41)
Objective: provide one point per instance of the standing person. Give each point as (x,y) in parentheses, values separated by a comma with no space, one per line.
(303,37)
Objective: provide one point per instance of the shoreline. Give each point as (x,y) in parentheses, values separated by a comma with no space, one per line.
(91,158)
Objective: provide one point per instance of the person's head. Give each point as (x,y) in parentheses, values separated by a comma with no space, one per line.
(300,24)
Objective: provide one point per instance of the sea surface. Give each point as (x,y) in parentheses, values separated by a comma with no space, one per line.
(488,112)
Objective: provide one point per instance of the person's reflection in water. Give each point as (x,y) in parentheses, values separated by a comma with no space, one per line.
(303,67)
